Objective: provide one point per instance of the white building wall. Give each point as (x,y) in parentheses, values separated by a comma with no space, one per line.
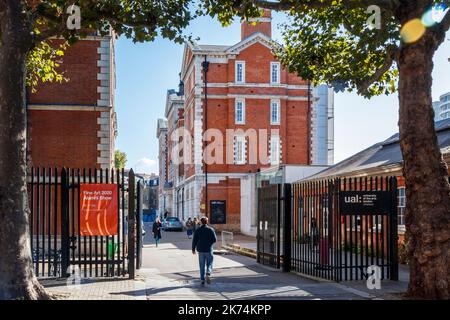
(248,205)
(322,126)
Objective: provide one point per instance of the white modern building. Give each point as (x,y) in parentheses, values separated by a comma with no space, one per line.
(164,201)
(322,126)
(442,107)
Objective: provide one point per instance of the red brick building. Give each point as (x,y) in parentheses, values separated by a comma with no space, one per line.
(73,124)
(244,87)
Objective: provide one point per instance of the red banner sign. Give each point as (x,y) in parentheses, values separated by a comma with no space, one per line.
(98,210)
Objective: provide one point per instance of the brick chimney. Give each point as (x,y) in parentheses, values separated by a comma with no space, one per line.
(263,25)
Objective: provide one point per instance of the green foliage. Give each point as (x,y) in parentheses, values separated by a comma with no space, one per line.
(140,20)
(358,249)
(330,41)
(325,41)
(43,63)
(336,46)
(120,159)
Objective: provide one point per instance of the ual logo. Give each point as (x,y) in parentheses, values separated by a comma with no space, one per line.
(353,199)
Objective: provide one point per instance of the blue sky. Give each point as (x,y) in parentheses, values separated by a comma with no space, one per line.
(146,71)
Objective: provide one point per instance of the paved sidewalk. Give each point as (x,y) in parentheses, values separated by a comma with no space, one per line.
(170,272)
(97,289)
(389,289)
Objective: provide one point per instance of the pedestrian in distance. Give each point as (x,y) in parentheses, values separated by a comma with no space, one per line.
(157,230)
(203,241)
(189,227)
(314,233)
(195,223)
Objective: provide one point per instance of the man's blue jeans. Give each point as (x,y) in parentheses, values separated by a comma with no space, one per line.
(205,258)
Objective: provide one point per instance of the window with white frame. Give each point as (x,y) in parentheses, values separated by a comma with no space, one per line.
(274,150)
(239,111)
(274,72)
(240,71)
(401,206)
(239,150)
(275,112)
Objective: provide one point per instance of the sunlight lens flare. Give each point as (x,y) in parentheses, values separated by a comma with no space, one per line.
(412,31)
(434,15)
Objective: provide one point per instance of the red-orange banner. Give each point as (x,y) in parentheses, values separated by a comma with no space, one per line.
(98,210)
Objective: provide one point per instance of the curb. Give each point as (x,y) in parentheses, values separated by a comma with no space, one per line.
(241,250)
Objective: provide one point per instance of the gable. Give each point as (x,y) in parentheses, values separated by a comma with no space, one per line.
(256,38)
(256,52)
(187,57)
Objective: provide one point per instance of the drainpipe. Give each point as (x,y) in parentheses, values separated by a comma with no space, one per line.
(205,66)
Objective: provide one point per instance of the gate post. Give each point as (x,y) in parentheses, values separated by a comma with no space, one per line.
(64,223)
(287,227)
(139,225)
(279,221)
(393,241)
(131,225)
(258,226)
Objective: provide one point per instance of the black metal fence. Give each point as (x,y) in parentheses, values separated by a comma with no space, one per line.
(273,233)
(58,247)
(308,227)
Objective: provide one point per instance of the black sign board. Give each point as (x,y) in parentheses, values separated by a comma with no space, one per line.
(365,202)
(218,212)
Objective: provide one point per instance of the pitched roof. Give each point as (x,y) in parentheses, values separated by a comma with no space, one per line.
(225,50)
(382,155)
(236,48)
(212,47)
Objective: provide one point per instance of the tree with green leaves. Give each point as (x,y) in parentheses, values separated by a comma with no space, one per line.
(120,159)
(25,28)
(335,42)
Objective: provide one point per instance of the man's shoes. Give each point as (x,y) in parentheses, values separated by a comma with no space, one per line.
(203,283)
(208,278)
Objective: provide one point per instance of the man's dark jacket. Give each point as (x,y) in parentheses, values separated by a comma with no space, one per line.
(204,238)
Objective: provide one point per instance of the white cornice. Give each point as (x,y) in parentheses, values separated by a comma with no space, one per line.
(257,85)
(234,50)
(256,96)
(46,107)
(261,19)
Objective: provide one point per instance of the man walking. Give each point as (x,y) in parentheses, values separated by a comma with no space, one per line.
(204,238)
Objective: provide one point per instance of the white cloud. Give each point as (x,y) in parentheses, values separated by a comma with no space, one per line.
(146,165)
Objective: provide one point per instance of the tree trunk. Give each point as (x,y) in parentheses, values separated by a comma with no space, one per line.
(17,279)
(426,175)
